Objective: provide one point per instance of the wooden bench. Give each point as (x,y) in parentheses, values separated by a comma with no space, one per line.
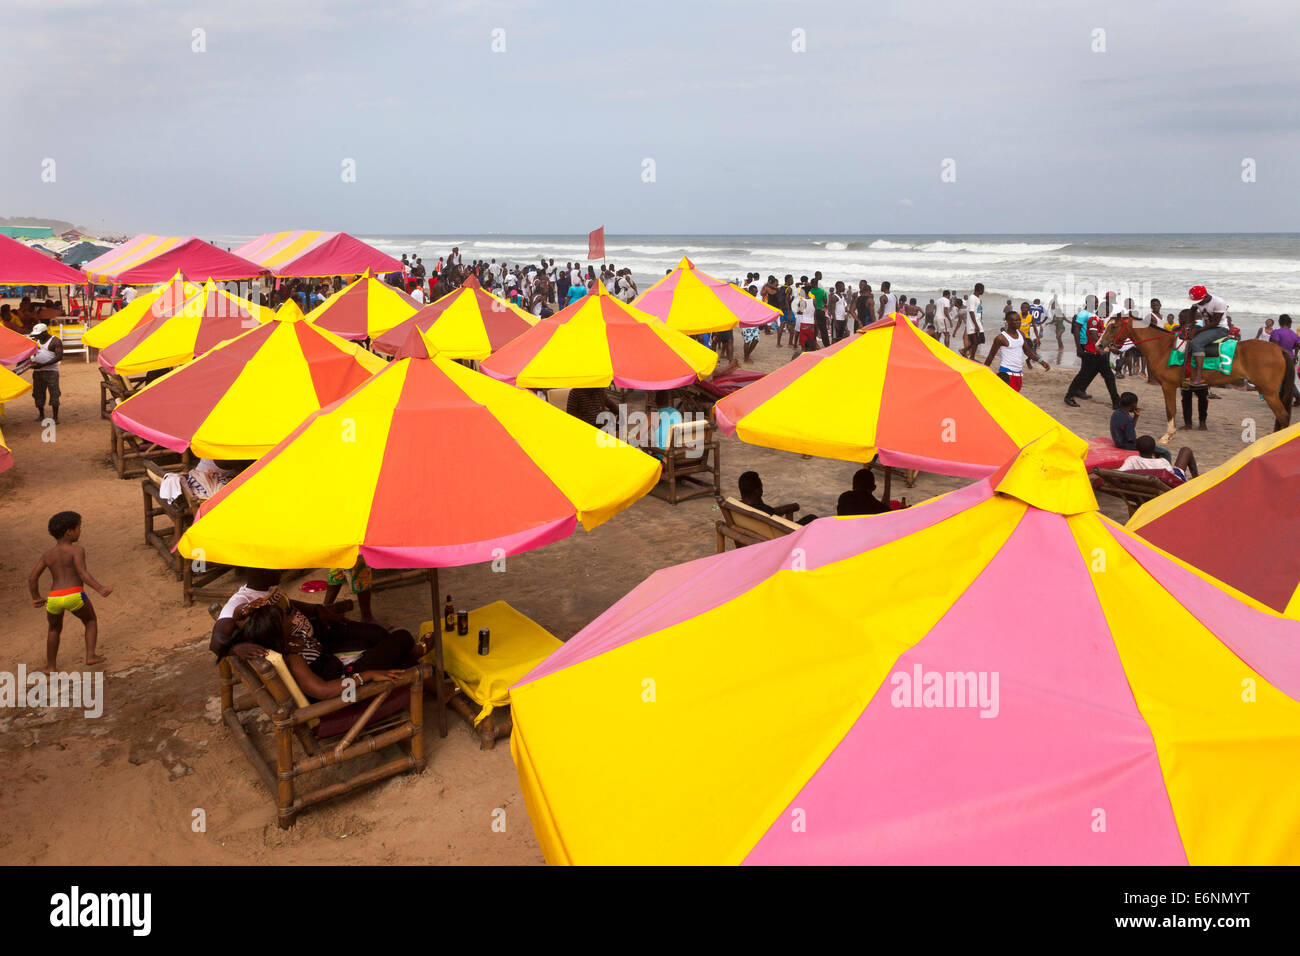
(691,451)
(744,525)
(1134,490)
(328,732)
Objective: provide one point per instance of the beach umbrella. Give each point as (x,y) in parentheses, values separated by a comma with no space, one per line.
(363,309)
(179,335)
(12,386)
(893,391)
(162,299)
(426,464)
(598,341)
(15,348)
(311,253)
(24,265)
(883,690)
(694,302)
(1237,522)
(466,323)
(239,399)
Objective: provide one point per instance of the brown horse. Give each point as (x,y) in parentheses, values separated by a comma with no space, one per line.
(1266,366)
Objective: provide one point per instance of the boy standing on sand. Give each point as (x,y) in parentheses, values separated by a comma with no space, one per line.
(67,564)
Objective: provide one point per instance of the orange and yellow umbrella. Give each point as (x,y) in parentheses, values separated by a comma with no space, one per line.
(694,302)
(239,399)
(598,341)
(1229,522)
(1131,712)
(163,299)
(427,464)
(180,335)
(362,310)
(891,391)
(12,386)
(467,323)
(15,348)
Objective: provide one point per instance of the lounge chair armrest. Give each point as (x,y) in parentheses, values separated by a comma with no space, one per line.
(786,510)
(322,707)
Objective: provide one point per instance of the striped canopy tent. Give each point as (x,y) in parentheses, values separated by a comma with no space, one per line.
(145,259)
(239,399)
(891,391)
(363,309)
(1237,522)
(23,265)
(426,464)
(598,341)
(162,299)
(694,302)
(466,323)
(180,335)
(308,253)
(1132,712)
(15,348)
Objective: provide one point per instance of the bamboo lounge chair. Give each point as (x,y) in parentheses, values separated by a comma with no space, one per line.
(744,525)
(692,450)
(328,732)
(1133,488)
(115,389)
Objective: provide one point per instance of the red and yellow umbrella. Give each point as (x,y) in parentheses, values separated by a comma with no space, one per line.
(12,386)
(365,309)
(891,391)
(598,341)
(694,302)
(1132,712)
(180,335)
(163,299)
(467,323)
(241,398)
(426,464)
(15,348)
(1237,522)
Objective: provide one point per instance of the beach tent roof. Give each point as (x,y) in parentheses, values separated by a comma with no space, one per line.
(694,302)
(23,265)
(1230,521)
(882,708)
(466,323)
(147,258)
(307,253)
(889,390)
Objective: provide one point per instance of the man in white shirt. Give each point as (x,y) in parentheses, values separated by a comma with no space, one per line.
(1148,459)
(417,294)
(128,294)
(942,319)
(974,322)
(258,583)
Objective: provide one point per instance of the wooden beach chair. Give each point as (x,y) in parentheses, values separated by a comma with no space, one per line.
(1132,488)
(198,578)
(692,451)
(130,454)
(744,525)
(328,732)
(115,389)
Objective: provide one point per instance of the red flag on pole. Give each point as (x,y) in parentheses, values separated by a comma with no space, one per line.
(596,244)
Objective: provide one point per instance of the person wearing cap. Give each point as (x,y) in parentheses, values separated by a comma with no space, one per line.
(45,371)
(1210,309)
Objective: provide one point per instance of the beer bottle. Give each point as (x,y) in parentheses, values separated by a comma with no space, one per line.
(449,615)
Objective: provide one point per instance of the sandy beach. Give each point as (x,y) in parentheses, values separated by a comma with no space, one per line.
(124,788)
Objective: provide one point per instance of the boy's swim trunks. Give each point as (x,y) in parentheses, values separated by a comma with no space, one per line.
(65,599)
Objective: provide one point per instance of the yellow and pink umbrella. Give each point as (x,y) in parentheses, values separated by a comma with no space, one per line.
(363,309)
(694,302)
(239,399)
(890,694)
(15,348)
(467,323)
(162,299)
(598,341)
(892,391)
(179,335)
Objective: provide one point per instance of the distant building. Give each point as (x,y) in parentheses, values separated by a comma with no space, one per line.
(27,232)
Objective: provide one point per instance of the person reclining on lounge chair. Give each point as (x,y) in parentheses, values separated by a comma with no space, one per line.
(1148,459)
(751,493)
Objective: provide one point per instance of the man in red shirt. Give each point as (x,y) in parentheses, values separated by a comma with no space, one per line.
(1092,363)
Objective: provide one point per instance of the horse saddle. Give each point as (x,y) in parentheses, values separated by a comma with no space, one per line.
(1218,356)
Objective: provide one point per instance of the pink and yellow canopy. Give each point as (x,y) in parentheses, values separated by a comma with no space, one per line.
(22,265)
(177,336)
(598,341)
(162,299)
(466,323)
(426,464)
(148,258)
(241,398)
(15,348)
(363,309)
(890,390)
(892,694)
(694,302)
(310,253)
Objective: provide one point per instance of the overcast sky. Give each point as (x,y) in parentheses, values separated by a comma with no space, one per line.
(746,135)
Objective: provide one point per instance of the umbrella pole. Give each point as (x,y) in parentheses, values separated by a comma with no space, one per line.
(889,474)
(439,688)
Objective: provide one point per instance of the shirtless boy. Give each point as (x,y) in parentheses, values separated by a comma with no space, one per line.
(66,562)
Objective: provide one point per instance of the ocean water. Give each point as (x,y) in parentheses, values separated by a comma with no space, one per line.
(1257,274)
